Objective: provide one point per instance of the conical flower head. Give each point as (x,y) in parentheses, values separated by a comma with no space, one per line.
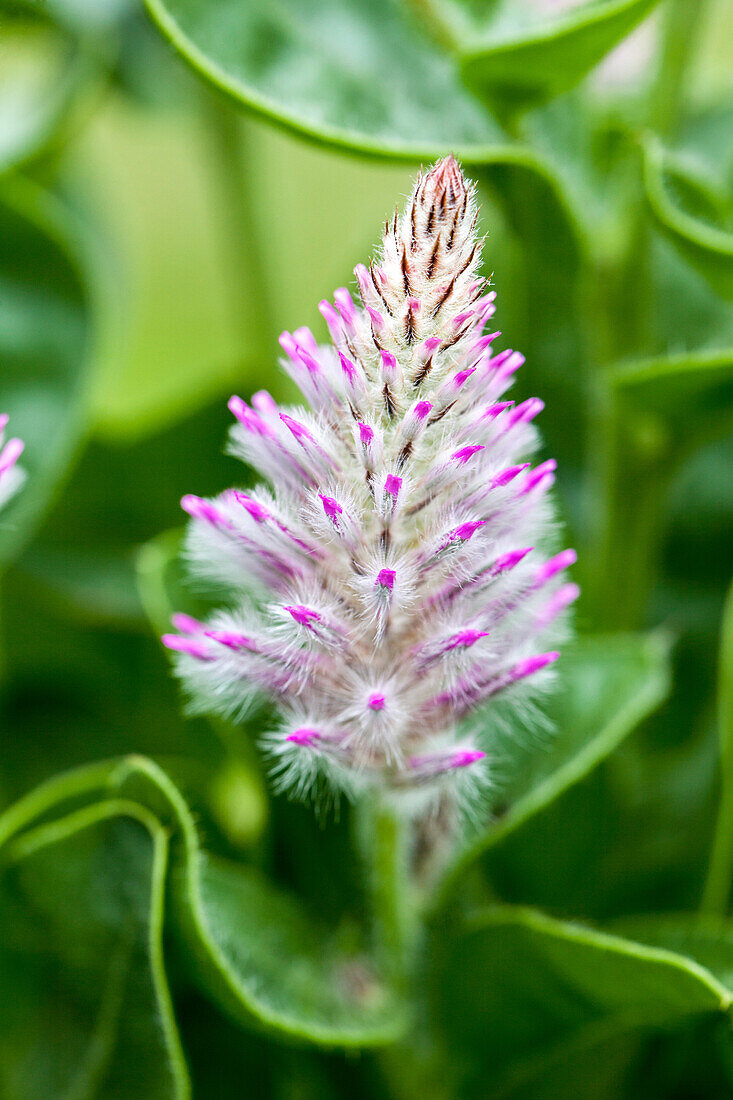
(390,580)
(11,475)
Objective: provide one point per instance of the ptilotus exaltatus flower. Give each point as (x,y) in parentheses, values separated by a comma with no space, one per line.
(399,543)
(11,476)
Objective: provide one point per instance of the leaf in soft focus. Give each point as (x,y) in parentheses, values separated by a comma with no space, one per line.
(706,941)
(693,207)
(263,959)
(607,686)
(522,993)
(359,75)
(44,337)
(691,394)
(43,75)
(95,16)
(86,1006)
(518,63)
(254,949)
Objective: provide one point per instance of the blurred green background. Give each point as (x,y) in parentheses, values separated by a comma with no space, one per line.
(155,238)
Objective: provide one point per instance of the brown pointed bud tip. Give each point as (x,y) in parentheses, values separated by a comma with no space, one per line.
(446,178)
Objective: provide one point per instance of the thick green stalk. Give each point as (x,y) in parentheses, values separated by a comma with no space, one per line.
(683,21)
(383,840)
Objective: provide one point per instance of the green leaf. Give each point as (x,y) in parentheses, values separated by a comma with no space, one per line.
(42,79)
(265,960)
(44,333)
(692,210)
(55,57)
(706,940)
(522,64)
(86,1005)
(607,686)
(517,993)
(361,75)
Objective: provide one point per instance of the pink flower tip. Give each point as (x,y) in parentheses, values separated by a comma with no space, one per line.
(303,615)
(466,757)
(10,454)
(257,511)
(494,410)
(508,475)
(331,507)
(508,561)
(264,403)
(237,407)
(527,411)
(534,664)
(462,377)
(230,639)
(328,312)
(555,565)
(347,367)
(392,485)
(303,737)
(344,304)
(376,701)
(423,410)
(190,646)
(462,456)
(386,578)
(467,530)
(186,624)
(483,342)
(198,508)
(464,639)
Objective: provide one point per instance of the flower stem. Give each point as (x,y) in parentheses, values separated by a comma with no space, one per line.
(683,22)
(383,840)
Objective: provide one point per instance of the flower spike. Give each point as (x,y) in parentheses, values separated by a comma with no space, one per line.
(396,576)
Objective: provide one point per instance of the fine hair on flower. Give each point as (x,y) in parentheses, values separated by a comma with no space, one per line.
(393,576)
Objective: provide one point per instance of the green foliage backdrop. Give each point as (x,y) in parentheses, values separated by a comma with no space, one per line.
(177,184)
